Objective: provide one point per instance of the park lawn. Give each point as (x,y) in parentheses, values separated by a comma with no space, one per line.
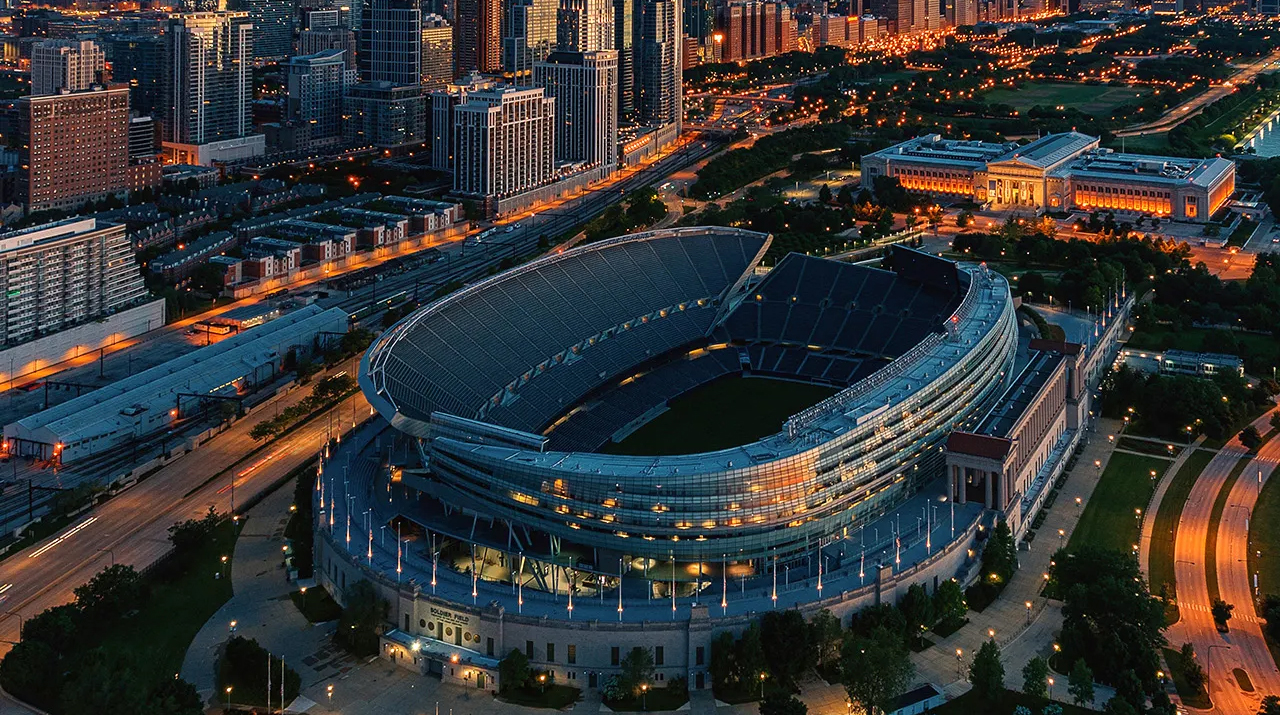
(1149,447)
(1199,699)
(970,704)
(555,697)
(1097,100)
(1264,546)
(1215,520)
(1109,519)
(1165,533)
(657,700)
(184,595)
(1260,352)
(1156,143)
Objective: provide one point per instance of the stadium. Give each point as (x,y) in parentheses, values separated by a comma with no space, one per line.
(503,501)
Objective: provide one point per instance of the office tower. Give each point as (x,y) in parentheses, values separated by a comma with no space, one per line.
(443,103)
(584,86)
(504,142)
(272,27)
(658,97)
(316,85)
(142,137)
(75,147)
(329,38)
(209,88)
(64,274)
(585,25)
(437,51)
(391,43)
(755,28)
(66,64)
(386,116)
(139,61)
(625,40)
(699,19)
(528,35)
(477,37)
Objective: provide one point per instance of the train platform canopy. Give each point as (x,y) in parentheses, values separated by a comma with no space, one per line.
(143,404)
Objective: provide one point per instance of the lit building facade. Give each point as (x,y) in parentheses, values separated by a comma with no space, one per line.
(477,37)
(72,65)
(504,142)
(391,43)
(528,36)
(754,29)
(75,148)
(585,88)
(316,85)
(437,52)
(1058,172)
(209,88)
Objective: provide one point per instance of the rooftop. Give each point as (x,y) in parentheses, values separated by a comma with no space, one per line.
(1050,150)
(1014,402)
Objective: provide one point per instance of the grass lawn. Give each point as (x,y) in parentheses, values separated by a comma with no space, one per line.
(317,605)
(1149,447)
(1090,99)
(721,414)
(183,596)
(1165,532)
(1215,519)
(969,704)
(1264,546)
(1157,143)
(1260,352)
(1199,700)
(555,697)
(1109,519)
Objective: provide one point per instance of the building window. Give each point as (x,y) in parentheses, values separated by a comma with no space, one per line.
(489,647)
(700,655)
(659,657)
(528,649)
(614,656)
(572,654)
(551,652)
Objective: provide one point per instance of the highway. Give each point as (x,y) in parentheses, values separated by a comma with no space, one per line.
(1219,653)
(1179,114)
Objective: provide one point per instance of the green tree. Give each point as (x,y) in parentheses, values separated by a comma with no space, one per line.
(748,656)
(188,536)
(32,672)
(876,669)
(1221,611)
(57,627)
(783,635)
(1035,678)
(1275,420)
(175,697)
(109,595)
(986,675)
(361,619)
(1080,684)
(826,636)
(513,671)
(1270,705)
(845,197)
(824,194)
(637,669)
(917,608)
(964,219)
(722,661)
(999,556)
(244,667)
(779,702)
(102,683)
(949,605)
(1192,673)
(1250,438)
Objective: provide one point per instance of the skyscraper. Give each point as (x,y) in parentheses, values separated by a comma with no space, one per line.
(585,25)
(699,19)
(316,85)
(272,27)
(443,104)
(752,28)
(627,16)
(329,38)
(209,88)
(504,142)
(66,64)
(528,36)
(658,80)
(75,147)
(437,51)
(391,43)
(139,60)
(584,86)
(477,37)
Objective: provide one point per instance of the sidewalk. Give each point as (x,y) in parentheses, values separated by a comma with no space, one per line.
(1020,640)
(261,606)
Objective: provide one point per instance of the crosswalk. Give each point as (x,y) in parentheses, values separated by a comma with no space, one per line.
(1208,609)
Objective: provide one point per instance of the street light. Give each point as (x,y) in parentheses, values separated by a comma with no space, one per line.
(329,692)
(762,685)
(233,627)
(959,661)
(644,696)
(1028,604)
(1051,688)
(228,697)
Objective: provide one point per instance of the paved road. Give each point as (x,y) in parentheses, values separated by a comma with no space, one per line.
(1234,580)
(1183,112)
(1218,653)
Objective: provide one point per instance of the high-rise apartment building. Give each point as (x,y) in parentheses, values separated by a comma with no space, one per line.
(386,116)
(209,88)
(584,86)
(391,42)
(658,78)
(64,274)
(755,28)
(66,64)
(504,142)
(443,103)
(585,25)
(272,27)
(528,35)
(316,85)
(477,37)
(699,19)
(75,148)
(139,61)
(329,38)
(437,51)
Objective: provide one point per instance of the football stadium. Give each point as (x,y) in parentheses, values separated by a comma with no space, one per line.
(514,491)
